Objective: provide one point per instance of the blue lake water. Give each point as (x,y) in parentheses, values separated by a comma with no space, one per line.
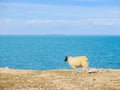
(48,52)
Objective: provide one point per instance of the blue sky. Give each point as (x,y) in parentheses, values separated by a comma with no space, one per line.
(69,17)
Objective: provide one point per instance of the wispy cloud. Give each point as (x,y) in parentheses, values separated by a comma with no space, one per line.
(21,17)
(90,21)
(105,21)
(45,11)
(44,14)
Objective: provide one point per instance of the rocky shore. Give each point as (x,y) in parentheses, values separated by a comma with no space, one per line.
(78,79)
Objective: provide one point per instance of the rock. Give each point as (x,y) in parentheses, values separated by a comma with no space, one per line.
(6,67)
(92,71)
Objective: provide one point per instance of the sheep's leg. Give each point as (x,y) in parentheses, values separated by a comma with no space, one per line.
(85,65)
(73,67)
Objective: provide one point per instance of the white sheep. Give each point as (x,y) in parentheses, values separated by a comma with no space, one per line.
(75,62)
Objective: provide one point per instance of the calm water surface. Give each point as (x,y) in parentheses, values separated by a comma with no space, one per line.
(48,52)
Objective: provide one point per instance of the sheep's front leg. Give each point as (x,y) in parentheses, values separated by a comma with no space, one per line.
(73,67)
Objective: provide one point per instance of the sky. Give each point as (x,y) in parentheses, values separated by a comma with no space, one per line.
(67,17)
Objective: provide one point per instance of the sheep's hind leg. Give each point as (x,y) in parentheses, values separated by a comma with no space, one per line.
(85,65)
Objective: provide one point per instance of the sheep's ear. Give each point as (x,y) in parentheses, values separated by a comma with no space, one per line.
(66,59)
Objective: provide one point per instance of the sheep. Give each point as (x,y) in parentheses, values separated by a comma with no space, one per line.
(75,62)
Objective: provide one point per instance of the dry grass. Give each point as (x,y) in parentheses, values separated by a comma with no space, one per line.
(58,80)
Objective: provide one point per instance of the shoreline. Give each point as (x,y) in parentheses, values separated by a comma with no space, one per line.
(58,69)
(60,79)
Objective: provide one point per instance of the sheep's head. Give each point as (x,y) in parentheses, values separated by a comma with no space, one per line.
(66,59)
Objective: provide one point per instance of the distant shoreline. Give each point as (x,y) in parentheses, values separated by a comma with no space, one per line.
(58,35)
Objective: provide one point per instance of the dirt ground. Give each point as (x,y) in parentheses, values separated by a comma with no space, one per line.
(11,79)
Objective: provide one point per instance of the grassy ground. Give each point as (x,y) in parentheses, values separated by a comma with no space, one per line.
(58,80)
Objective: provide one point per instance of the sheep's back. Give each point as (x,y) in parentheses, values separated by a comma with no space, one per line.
(82,58)
(76,61)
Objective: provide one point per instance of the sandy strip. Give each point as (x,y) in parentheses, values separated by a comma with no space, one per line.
(92,79)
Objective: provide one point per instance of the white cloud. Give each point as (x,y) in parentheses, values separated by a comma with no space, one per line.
(38,21)
(90,21)
(97,21)
(52,21)
(105,21)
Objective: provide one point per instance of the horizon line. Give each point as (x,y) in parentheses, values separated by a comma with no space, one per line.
(58,35)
